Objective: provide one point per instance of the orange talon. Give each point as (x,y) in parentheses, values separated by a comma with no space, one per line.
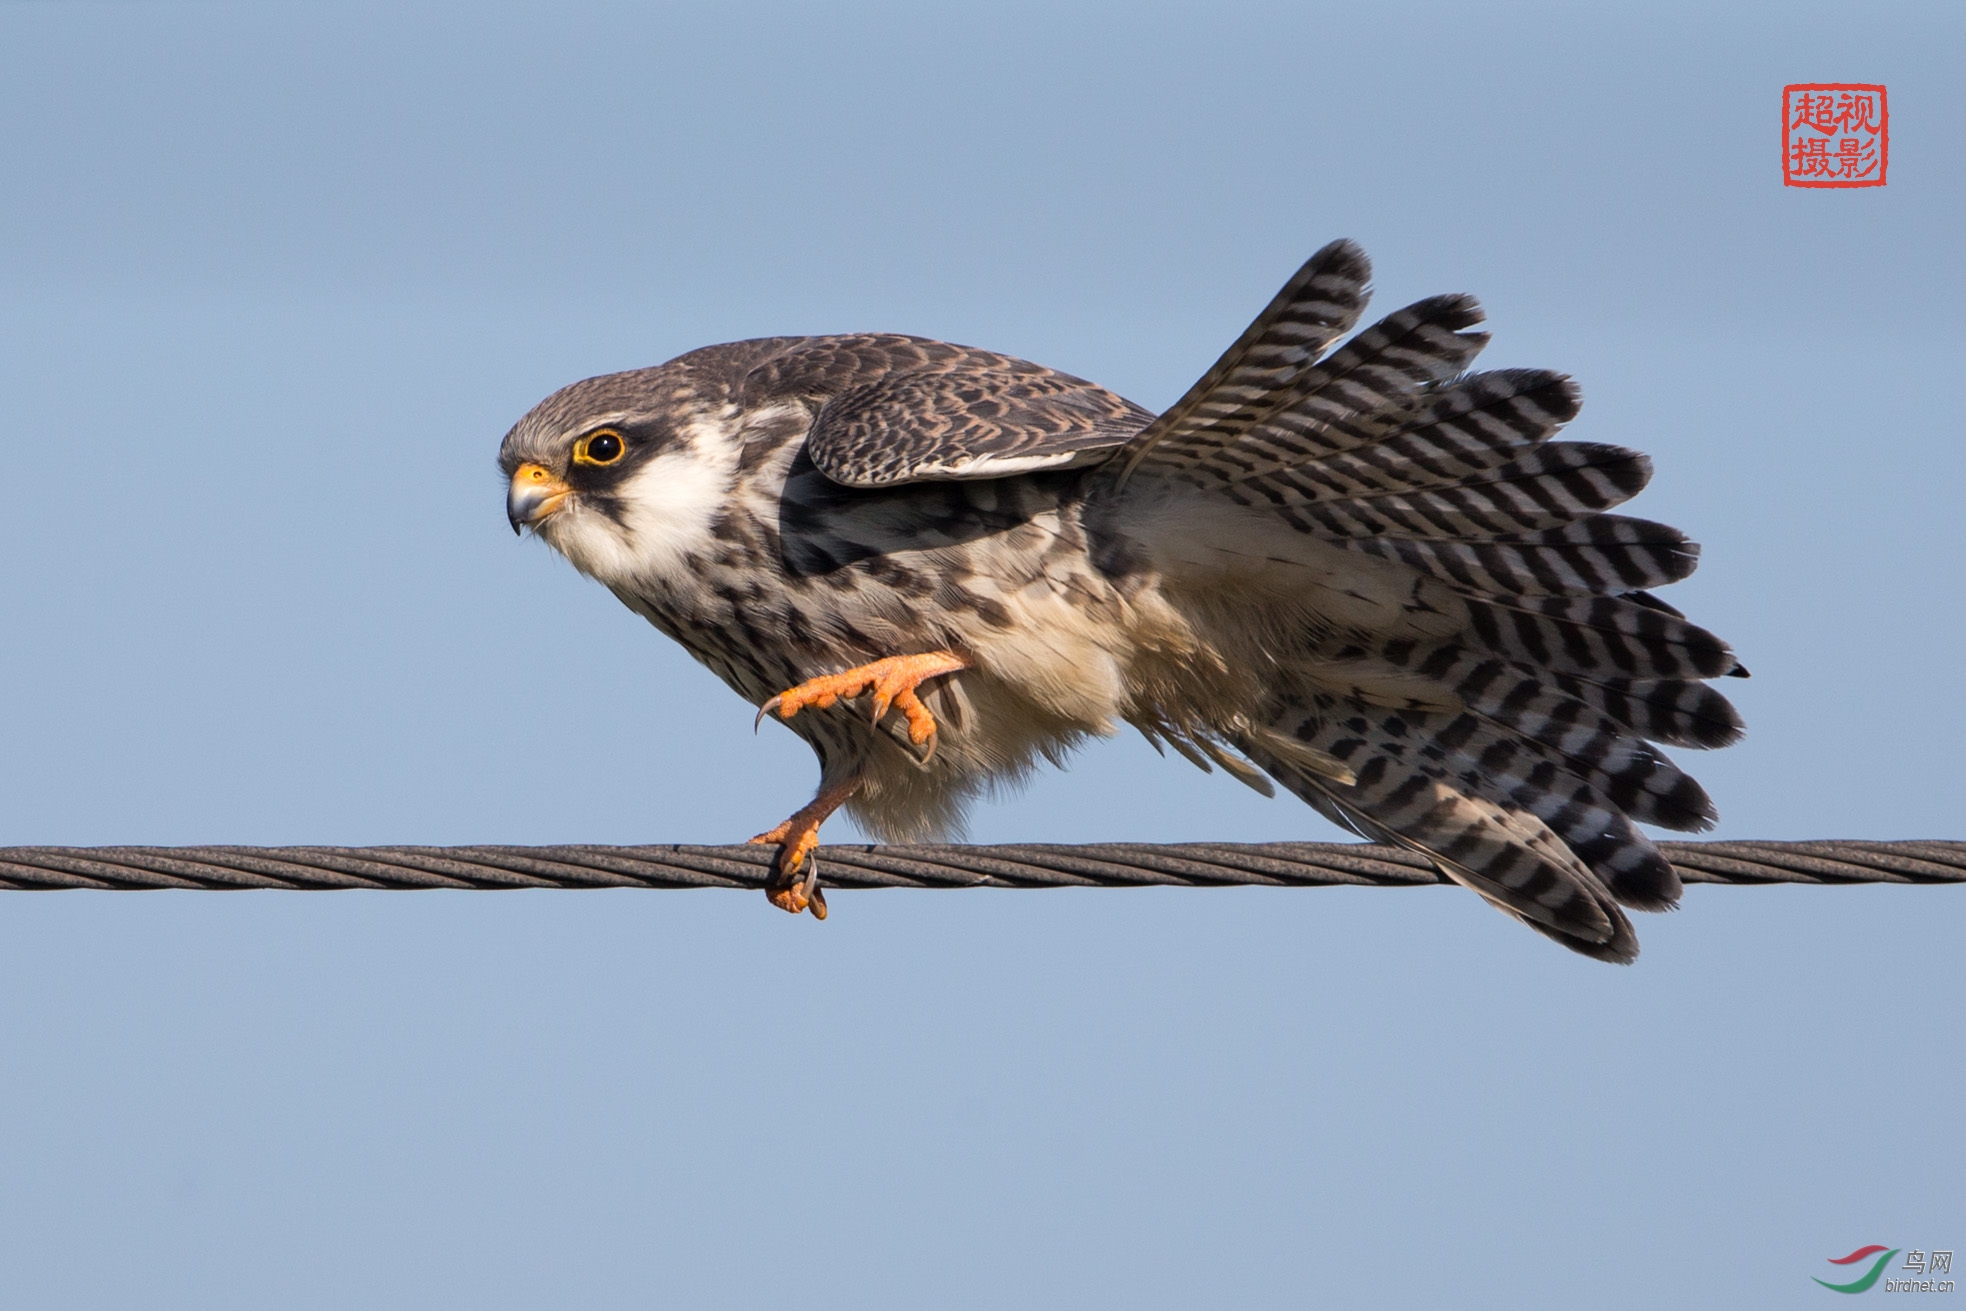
(794,882)
(891,681)
(793,853)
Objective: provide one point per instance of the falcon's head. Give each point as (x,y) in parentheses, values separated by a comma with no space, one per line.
(621,474)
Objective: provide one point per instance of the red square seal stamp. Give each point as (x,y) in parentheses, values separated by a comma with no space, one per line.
(1834,134)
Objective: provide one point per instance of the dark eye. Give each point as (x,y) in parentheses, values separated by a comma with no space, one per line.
(603,448)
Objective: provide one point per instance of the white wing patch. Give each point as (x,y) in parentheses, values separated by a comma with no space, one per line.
(987,466)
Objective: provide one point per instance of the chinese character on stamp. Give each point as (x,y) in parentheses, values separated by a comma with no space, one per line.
(1834,135)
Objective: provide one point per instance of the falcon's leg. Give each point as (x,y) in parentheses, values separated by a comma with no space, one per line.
(892,681)
(794,882)
(797,838)
(795,875)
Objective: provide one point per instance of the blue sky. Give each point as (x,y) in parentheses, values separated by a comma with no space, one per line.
(274,279)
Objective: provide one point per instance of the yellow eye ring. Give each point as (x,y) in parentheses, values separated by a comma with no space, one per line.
(600,448)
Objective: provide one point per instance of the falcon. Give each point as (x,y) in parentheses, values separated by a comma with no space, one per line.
(1357,570)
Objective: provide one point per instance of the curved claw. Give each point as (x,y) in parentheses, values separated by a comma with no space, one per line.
(921,724)
(799,897)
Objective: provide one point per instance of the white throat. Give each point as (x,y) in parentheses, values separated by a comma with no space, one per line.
(667,507)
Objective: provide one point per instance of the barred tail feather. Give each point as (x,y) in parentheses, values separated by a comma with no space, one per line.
(1357,396)
(1632,774)
(1509,857)
(1602,554)
(1677,712)
(1595,635)
(1315,308)
(1463,429)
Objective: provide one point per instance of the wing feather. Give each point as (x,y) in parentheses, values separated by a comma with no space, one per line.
(891,410)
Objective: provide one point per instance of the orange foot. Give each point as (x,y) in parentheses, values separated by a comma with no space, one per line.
(794,881)
(892,681)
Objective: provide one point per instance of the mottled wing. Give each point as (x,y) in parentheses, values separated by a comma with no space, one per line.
(900,410)
(977,423)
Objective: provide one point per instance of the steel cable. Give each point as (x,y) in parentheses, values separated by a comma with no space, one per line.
(1021,865)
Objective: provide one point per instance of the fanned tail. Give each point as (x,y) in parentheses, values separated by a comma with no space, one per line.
(1503,721)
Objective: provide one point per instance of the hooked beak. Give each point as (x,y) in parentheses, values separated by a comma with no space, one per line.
(535,494)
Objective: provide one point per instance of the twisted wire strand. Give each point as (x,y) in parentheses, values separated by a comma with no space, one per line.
(1019,865)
